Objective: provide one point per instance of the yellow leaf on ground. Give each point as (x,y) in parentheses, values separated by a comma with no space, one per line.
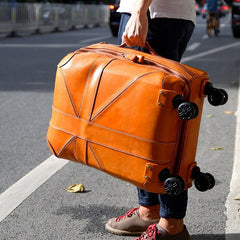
(210,116)
(217,148)
(229,112)
(236,198)
(76,188)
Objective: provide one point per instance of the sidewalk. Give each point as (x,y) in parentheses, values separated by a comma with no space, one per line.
(233,199)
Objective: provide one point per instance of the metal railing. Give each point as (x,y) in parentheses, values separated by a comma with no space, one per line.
(37,17)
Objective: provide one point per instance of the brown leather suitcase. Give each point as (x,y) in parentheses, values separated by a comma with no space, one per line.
(133,115)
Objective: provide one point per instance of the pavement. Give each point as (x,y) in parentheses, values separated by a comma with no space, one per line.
(43,210)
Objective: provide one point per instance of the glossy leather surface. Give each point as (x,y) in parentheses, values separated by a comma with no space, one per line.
(112,110)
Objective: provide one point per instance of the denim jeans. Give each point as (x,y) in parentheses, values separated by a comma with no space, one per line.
(169,38)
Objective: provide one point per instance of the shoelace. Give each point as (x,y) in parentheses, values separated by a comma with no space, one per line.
(150,233)
(128,214)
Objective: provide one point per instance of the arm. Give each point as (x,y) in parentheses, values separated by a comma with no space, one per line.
(137,27)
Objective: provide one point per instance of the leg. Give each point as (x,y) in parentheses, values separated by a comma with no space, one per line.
(209,24)
(217,24)
(176,32)
(136,220)
(149,205)
(170,226)
(173,210)
(149,202)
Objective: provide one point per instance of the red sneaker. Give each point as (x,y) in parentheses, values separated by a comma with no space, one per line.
(129,224)
(155,232)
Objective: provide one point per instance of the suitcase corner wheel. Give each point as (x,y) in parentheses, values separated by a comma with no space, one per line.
(186,110)
(173,185)
(216,96)
(202,181)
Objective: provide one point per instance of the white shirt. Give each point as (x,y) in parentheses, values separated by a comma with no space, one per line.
(180,9)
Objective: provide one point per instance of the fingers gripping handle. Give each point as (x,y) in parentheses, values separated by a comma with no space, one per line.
(147,45)
(139,58)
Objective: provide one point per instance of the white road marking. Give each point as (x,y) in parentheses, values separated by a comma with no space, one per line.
(24,187)
(232,206)
(193,46)
(208,52)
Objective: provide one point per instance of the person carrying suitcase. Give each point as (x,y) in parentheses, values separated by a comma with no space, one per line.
(168,27)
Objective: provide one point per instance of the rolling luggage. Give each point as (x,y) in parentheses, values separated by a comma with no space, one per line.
(133,115)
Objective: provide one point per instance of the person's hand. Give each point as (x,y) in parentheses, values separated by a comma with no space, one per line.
(136,30)
(137,27)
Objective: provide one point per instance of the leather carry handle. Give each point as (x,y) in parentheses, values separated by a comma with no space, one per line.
(150,49)
(147,45)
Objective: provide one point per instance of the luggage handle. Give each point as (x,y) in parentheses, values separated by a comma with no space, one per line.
(147,45)
(139,58)
(150,49)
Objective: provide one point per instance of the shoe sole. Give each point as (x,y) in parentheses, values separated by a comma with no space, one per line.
(121,232)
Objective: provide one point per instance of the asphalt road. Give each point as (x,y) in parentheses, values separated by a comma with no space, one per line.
(27,67)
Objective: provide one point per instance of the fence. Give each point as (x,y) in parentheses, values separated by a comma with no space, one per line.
(37,17)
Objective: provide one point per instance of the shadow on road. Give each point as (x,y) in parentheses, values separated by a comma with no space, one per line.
(97,216)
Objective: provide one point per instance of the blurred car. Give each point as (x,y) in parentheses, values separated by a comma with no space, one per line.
(236,18)
(115,17)
(197,8)
(223,9)
(204,11)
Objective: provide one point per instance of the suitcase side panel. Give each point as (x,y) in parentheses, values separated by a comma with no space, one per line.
(93,98)
(116,115)
(190,133)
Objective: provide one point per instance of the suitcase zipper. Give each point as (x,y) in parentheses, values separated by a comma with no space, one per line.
(152,63)
(150,60)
